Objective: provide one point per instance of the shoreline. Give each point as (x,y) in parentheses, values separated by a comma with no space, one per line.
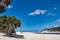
(32,36)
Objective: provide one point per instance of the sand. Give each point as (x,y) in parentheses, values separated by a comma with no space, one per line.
(32,36)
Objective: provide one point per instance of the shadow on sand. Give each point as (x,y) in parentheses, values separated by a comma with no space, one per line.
(16,36)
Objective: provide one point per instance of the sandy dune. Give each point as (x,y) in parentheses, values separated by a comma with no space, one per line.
(32,36)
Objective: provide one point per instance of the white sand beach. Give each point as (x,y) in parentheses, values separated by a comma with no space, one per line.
(32,36)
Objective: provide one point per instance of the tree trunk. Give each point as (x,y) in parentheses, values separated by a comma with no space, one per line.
(9,29)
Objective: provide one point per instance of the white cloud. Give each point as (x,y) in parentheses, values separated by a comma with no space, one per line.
(50,14)
(54,8)
(43,12)
(58,20)
(32,13)
(38,12)
(53,14)
(9,6)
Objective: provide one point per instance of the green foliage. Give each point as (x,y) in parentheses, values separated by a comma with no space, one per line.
(8,2)
(6,20)
(53,29)
(7,23)
(4,4)
(2,9)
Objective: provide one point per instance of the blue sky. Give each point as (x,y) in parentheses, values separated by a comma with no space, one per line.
(35,15)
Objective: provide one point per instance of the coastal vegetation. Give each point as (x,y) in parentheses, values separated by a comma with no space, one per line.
(4,4)
(55,29)
(8,24)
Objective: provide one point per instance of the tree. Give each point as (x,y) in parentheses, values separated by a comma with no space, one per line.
(8,24)
(4,4)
